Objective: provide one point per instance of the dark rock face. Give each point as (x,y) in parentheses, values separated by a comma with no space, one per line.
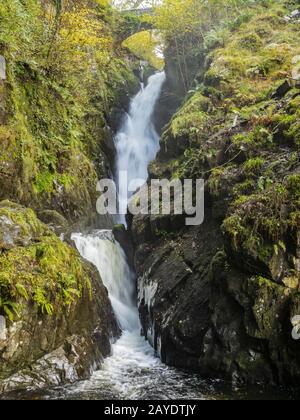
(124,238)
(175,314)
(201,311)
(210,305)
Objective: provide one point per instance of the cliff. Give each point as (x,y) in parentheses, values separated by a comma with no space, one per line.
(226,309)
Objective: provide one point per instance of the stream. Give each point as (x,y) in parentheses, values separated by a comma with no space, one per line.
(133,371)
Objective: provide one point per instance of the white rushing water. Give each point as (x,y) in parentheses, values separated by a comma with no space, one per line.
(137,142)
(101,249)
(133,371)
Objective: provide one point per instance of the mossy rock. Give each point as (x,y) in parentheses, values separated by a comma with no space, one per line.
(19,226)
(269,305)
(251,42)
(35,265)
(54,220)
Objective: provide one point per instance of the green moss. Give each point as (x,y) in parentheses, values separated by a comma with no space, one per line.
(220,179)
(24,218)
(251,42)
(215,181)
(245,187)
(257,137)
(269,305)
(293,184)
(253,166)
(294,133)
(259,222)
(294,220)
(46,272)
(50,272)
(287,121)
(213,77)
(190,165)
(255,57)
(44,182)
(119,228)
(234,227)
(242,199)
(192,118)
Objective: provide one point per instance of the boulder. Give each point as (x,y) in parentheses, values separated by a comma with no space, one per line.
(18,226)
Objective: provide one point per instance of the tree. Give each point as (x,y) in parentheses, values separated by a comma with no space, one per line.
(146,45)
(179,21)
(186,23)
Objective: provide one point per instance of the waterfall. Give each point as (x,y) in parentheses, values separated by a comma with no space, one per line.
(137,141)
(101,249)
(137,144)
(132,371)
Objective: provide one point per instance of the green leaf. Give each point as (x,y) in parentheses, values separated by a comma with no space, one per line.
(282,246)
(9,313)
(22,291)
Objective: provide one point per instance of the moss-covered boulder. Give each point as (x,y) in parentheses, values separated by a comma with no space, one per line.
(51,301)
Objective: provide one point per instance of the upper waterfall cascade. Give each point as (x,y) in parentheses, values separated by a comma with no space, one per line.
(137,141)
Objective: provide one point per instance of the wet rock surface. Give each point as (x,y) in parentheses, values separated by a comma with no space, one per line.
(201,311)
(175,314)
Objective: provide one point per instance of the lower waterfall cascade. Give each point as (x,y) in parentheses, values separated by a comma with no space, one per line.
(133,371)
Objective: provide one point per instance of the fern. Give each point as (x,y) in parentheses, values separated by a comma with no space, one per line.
(22,291)
(42,303)
(67,287)
(10,308)
(69,295)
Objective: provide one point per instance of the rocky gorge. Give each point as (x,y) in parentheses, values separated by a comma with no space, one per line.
(217,299)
